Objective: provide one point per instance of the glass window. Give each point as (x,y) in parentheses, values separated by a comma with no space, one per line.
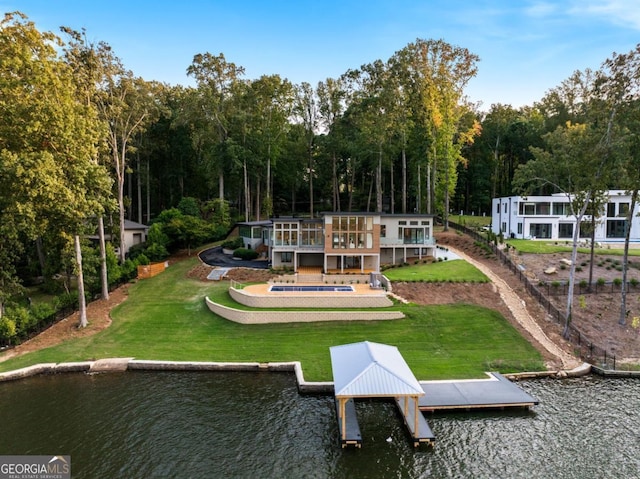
(611,210)
(586,228)
(527,209)
(519,228)
(565,230)
(286,257)
(506,205)
(616,228)
(383,231)
(543,208)
(540,230)
(623,209)
(560,209)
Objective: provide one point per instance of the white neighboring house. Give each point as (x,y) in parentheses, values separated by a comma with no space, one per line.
(549,217)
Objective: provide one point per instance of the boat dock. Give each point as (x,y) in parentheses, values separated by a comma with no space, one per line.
(373,370)
(495,392)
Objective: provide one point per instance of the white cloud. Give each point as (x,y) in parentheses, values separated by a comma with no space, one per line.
(620,12)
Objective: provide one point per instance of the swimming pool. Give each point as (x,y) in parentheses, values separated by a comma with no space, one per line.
(311,289)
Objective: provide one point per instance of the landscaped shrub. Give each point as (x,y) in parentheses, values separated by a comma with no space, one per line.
(245,254)
(7,330)
(156,252)
(617,281)
(233,244)
(600,282)
(633,282)
(583,283)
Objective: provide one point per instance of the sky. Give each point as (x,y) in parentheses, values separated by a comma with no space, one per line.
(526,47)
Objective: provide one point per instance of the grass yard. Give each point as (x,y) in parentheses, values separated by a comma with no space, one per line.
(165,318)
(543,247)
(471,221)
(450,271)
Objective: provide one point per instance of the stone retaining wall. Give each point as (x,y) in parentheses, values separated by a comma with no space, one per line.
(306,316)
(150,365)
(294,366)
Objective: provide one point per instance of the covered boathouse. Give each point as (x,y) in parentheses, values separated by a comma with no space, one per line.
(373,370)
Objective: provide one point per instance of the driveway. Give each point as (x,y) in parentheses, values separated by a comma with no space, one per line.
(215,257)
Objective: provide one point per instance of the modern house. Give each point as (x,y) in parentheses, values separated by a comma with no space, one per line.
(549,217)
(339,242)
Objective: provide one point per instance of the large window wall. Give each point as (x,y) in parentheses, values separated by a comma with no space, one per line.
(352,232)
(285,234)
(414,232)
(311,234)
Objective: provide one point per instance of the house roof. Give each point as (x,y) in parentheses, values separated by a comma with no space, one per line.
(132,225)
(369,369)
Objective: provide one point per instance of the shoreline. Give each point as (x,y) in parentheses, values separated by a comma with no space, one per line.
(111,365)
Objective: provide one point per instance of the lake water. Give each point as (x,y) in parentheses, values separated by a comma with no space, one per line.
(256,425)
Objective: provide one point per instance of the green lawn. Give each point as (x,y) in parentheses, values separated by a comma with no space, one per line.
(165,318)
(452,271)
(544,247)
(471,221)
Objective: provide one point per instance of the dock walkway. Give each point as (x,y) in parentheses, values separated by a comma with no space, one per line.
(495,392)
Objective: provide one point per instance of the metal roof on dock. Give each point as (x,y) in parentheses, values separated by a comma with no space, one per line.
(369,369)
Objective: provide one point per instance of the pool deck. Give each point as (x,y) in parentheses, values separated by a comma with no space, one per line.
(360,289)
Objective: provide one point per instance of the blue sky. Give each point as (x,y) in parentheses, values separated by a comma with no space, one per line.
(526,47)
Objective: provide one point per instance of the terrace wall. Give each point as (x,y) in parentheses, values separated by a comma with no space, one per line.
(265,317)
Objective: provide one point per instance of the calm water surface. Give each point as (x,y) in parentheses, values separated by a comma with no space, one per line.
(256,425)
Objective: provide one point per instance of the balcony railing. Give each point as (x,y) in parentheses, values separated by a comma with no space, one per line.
(403,242)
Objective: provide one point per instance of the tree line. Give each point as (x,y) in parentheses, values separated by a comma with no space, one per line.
(86,144)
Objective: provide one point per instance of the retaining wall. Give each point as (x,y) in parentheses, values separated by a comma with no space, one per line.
(306,316)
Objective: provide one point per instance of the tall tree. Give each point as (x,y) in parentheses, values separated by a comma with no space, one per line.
(128,105)
(331,99)
(215,77)
(306,109)
(573,163)
(50,181)
(273,100)
(622,87)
